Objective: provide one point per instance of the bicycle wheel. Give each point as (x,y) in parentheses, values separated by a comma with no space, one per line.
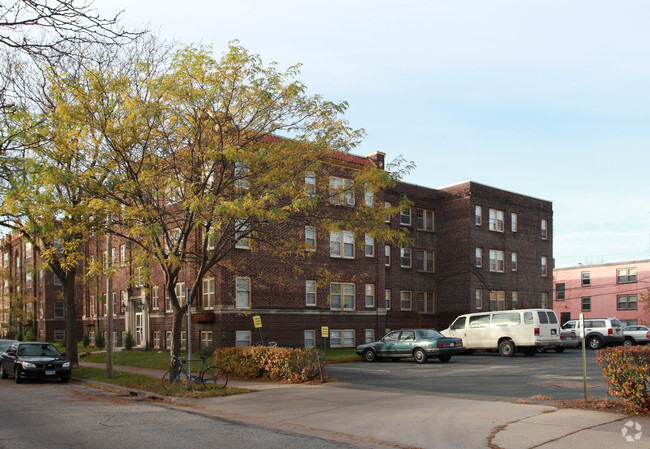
(212,375)
(180,380)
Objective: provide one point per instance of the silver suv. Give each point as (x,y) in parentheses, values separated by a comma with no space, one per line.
(599,332)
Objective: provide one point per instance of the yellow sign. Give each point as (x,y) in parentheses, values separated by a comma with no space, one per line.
(324,331)
(257,320)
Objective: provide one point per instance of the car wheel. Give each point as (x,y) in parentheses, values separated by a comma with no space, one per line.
(370,355)
(559,349)
(594,342)
(18,376)
(3,373)
(628,342)
(507,348)
(444,358)
(419,355)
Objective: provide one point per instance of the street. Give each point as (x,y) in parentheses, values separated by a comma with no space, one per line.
(55,415)
(483,375)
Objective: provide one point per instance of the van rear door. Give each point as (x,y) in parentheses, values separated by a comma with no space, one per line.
(549,328)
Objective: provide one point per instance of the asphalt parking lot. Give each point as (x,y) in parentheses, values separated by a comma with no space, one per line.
(549,375)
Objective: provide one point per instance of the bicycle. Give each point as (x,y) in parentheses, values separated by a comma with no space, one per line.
(208,375)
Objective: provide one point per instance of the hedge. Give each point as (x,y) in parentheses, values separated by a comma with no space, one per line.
(627,371)
(265,362)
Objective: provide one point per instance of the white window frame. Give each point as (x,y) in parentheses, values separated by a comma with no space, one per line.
(370,295)
(514,222)
(342,244)
(310,293)
(405,217)
(514,262)
(544,229)
(155,305)
(309,338)
(544,265)
(242,293)
(497,261)
(181,293)
(243,338)
(206,339)
(369,335)
(209,293)
(478,215)
(310,238)
(242,234)
(478,258)
(387,255)
(496,220)
(369,246)
(405,258)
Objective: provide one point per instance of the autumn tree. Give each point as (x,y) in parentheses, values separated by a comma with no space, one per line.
(206,154)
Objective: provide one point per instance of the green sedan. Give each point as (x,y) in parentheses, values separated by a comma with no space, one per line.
(417,343)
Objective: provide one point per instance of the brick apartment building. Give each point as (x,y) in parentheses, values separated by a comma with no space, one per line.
(474,248)
(604,291)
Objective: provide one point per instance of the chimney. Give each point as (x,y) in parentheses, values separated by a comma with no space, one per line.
(377,158)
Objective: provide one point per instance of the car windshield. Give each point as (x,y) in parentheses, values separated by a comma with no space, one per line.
(5,344)
(40,350)
(430,333)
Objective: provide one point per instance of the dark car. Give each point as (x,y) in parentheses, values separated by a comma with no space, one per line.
(417,343)
(34,360)
(4,344)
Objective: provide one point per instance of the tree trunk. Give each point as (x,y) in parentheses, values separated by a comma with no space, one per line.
(70,316)
(177,327)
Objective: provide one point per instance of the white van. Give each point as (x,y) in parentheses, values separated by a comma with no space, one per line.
(507,330)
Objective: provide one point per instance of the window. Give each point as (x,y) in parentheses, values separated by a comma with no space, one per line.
(28,279)
(625,275)
(560,290)
(405,257)
(310,338)
(478,215)
(210,237)
(58,309)
(341,191)
(626,302)
(181,293)
(406,301)
(206,339)
(156,339)
(59,335)
(348,338)
(544,300)
(479,258)
(514,219)
(424,219)
(242,234)
(370,295)
(342,338)
(544,226)
(497,300)
(92,306)
(310,183)
(310,293)
(387,296)
(387,255)
(478,299)
(496,220)
(154,298)
(208,293)
(513,261)
(168,339)
(424,261)
(335,338)
(586,278)
(387,217)
(123,255)
(405,217)
(369,246)
(242,338)
(497,263)
(425,302)
(369,196)
(342,296)
(242,293)
(515,300)
(310,238)
(544,263)
(28,250)
(116,306)
(347,250)
(241,175)
(586,303)
(369,335)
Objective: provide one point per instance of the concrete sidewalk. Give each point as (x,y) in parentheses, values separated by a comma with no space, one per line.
(358,417)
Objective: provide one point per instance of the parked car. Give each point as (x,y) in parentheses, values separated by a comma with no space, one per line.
(526,330)
(636,335)
(417,343)
(4,344)
(34,360)
(599,332)
(568,339)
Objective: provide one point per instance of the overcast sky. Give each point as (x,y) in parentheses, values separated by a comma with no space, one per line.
(546,98)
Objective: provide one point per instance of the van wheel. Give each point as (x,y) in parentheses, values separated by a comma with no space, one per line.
(507,348)
(594,342)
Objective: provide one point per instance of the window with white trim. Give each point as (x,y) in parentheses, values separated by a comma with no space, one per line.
(242,293)
(370,295)
(514,222)
(513,262)
(586,278)
(242,338)
(310,238)
(387,255)
(544,265)
(626,302)
(341,191)
(310,293)
(181,293)
(155,305)
(342,244)
(405,257)
(369,246)
(242,234)
(209,293)
(626,275)
(369,196)
(122,255)
(369,335)
(478,257)
(309,339)
(405,217)
(206,339)
(478,215)
(544,227)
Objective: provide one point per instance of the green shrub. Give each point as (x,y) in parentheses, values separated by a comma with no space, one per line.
(85,340)
(100,341)
(253,362)
(128,341)
(627,371)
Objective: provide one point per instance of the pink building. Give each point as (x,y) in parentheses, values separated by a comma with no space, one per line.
(602,291)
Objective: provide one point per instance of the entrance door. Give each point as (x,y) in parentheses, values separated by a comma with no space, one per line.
(564,317)
(139,328)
